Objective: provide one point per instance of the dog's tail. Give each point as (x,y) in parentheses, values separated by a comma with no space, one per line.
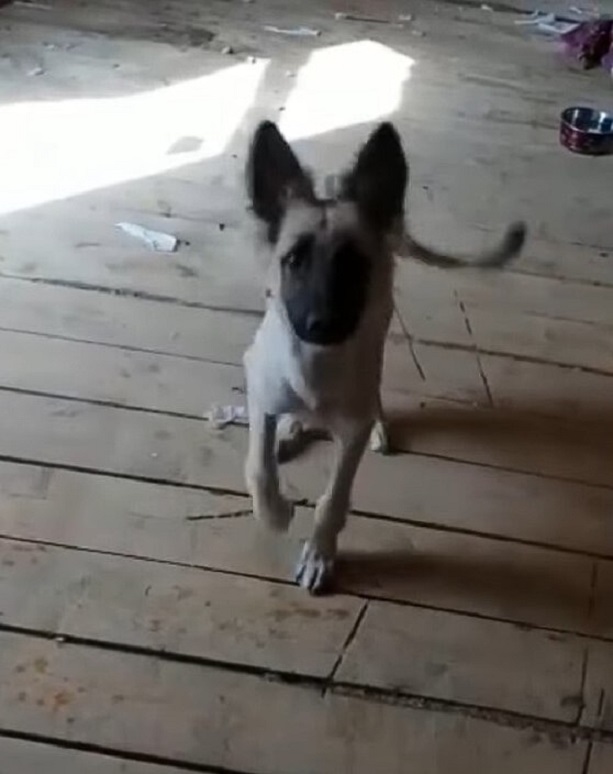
(509,248)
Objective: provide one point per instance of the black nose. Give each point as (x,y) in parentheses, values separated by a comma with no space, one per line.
(316,325)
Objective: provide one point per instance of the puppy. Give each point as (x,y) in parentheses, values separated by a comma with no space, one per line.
(317,357)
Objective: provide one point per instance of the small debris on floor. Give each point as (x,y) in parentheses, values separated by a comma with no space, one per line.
(156,240)
(343,16)
(36,6)
(548,23)
(37,71)
(222,416)
(296,32)
(227,50)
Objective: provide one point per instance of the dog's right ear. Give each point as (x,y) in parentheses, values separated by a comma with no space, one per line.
(274,176)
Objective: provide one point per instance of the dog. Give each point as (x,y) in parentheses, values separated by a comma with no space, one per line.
(316,359)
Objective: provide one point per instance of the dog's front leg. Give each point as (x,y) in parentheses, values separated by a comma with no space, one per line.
(261,471)
(315,568)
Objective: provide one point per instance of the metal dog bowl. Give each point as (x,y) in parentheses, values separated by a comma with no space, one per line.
(585,130)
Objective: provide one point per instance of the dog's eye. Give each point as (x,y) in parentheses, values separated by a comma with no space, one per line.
(291,259)
(299,254)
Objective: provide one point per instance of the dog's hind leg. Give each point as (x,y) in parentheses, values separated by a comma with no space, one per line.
(291,437)
(295,433)
(315,569)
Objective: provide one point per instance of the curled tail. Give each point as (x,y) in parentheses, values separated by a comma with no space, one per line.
(509,248)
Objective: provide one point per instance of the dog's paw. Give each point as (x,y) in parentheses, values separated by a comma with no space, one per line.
(275,512)
(315,569)
(379,439)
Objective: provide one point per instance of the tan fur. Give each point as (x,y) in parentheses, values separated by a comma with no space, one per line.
(334,387)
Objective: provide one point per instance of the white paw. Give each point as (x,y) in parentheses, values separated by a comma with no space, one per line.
(379,439)
(315,569)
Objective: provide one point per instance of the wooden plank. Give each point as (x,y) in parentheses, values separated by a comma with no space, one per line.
(429,304)
(557,341)
(215,265)
(157,327)
(515,440)
(598,686)
(272,626)
(602,614)
(466,104)
(527,116)
(601,761)
(467,660)
(193,333)
(19,757)
(546,389)
(172,383)
(189,451)
(509,291)
(598,711)
(124,321)
(500,579)
(147,380)
(214,718)
(219,267)
(442,569)
(172,609)
(538,338)
(586,262)
(578,449)
(183,385)
(448,373)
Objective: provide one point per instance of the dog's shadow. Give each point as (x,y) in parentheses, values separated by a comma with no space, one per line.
(568,459)
(497,586)
(523,438)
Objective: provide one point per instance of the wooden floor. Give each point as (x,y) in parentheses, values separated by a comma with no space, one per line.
(147,626)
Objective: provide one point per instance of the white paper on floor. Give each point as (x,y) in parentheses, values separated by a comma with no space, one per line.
(156,240)
(222,416)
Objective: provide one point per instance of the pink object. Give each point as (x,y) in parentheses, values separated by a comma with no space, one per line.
(590,44)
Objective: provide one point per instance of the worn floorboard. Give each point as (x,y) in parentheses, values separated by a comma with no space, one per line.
(148,625)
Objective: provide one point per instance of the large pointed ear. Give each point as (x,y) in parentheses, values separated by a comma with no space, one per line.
(274,176)
(378,180)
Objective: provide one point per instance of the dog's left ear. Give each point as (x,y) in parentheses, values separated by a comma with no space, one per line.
(378,180)
(274,176)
